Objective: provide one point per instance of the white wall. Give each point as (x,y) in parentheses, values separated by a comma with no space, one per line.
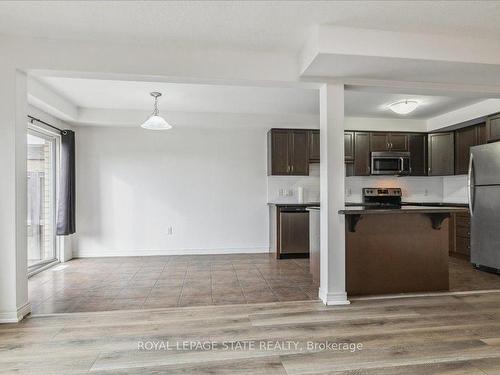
(209,185)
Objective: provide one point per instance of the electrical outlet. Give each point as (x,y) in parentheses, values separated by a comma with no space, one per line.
(281,192)
(170,231)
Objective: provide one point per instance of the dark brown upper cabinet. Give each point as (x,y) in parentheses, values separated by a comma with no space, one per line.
(349,146)
(379,141)
(441,155)
(361,154)
(417,145)
(299,152)
(388,141)
(398,142)
(464,139)
(314,155)
(288,152)
(481,134)
(493,128)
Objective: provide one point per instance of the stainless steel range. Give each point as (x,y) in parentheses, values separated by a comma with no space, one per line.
(382,197)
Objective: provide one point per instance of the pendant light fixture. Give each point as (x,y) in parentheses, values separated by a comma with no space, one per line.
(155,121)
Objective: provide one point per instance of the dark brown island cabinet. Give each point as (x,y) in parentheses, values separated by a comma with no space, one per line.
(460,235)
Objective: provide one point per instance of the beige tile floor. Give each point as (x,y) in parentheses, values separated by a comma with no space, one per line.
(129,283)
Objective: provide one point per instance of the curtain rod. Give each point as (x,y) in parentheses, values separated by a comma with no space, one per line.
(43,122)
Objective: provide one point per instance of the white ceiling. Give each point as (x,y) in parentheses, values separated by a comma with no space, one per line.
(94,93)
(276,25)
(375,104)
(201,98)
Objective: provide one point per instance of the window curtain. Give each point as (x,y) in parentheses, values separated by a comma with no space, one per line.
(67,190)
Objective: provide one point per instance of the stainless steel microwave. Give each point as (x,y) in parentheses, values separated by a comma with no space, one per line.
(390,163)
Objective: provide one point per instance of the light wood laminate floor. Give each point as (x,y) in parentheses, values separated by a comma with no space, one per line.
(101,284)
(452,335)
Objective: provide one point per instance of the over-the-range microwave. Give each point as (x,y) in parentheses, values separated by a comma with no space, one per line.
(390,163)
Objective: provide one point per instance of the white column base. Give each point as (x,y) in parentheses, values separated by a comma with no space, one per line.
(16,316)
(332,299)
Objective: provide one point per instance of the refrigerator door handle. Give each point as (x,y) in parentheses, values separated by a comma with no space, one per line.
(470,183)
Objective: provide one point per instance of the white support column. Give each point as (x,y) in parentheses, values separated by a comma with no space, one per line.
(332,289)
(14,303)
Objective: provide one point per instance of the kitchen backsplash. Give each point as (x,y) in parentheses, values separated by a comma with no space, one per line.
(455,189)
(414,189)
(283,189)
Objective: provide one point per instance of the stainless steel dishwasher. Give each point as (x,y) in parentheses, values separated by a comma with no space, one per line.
(294,232)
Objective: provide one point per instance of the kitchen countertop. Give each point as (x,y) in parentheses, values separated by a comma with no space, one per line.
(313,208)
(293,204)
(405,209)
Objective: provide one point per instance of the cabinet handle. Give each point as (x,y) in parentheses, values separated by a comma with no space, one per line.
(292,168)
(287,169)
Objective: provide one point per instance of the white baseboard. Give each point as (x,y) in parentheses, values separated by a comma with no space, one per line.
(16,316)
(333,299)
(134,253)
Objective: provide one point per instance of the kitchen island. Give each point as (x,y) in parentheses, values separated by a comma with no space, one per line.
(397,250)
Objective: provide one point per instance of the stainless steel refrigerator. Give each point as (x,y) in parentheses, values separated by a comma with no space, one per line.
(484,204)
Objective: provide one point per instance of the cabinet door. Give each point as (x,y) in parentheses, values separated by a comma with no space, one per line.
(349,146)
(493,129)
(417,145)
(398,142)
(314,146)
(361,154)
(481,134)
(464,139)
(299,152)
(441,154)
(278,152)
(379,141)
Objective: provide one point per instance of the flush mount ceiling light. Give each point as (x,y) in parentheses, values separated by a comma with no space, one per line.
(155,122)
(403,107)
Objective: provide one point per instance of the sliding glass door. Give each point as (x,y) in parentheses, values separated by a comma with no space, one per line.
(42,169)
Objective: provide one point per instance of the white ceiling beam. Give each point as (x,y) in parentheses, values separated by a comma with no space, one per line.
(464,116)
(119,117)
(433,47)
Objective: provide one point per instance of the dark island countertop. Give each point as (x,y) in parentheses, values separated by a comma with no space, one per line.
(405,209)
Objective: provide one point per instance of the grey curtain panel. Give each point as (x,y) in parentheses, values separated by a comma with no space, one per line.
(67,190)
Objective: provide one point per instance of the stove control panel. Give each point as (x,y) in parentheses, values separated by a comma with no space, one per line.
(381,192)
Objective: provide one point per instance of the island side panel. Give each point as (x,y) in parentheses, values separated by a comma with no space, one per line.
(397,253)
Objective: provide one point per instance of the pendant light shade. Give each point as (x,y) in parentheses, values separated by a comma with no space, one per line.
(155,121)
